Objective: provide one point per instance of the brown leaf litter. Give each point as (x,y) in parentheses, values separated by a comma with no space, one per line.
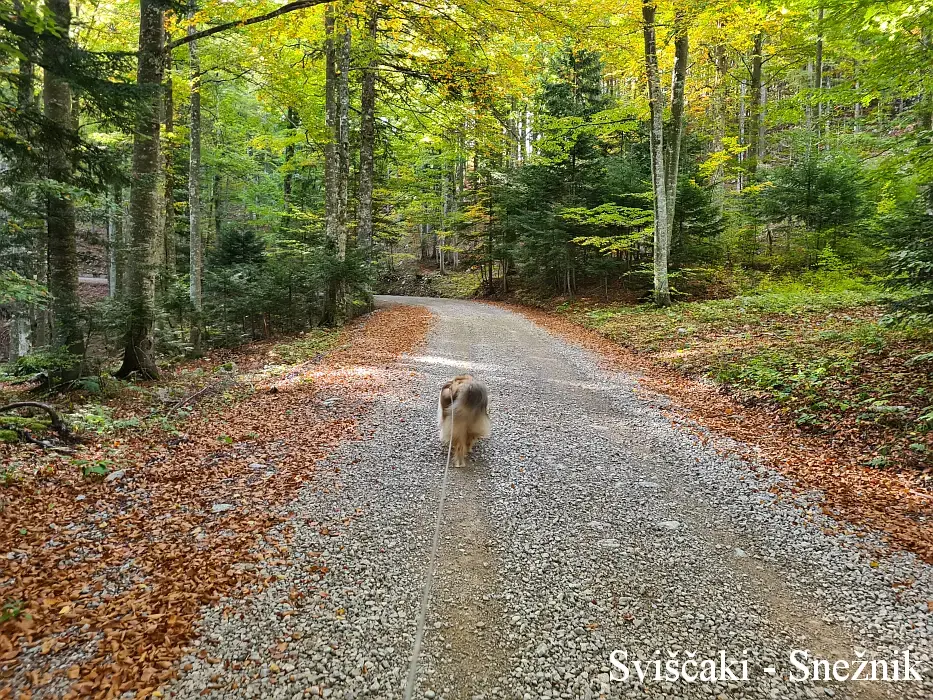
(103,581)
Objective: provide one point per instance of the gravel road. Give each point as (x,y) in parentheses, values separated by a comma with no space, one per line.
(587,523)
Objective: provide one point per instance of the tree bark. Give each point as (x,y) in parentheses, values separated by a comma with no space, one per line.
(720,116)
(291,122)
(343,132)
(662,292)
(138,354)
(113,245)
(331,154)
(364,232)
(755,116)
(818,71)
(195,243)
(62,240)
(678,90)
(169,158)
(24,315)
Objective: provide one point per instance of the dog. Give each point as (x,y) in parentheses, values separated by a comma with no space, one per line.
(463,412)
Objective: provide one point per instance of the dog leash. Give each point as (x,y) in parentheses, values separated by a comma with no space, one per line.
(429,579)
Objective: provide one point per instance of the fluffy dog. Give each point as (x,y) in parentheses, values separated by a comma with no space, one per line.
(466,400)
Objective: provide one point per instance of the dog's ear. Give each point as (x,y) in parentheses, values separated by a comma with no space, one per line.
(447,396)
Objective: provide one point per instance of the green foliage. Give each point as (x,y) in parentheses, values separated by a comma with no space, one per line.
(93,469)
(12,609)
(42,362)
(98,419)
(909,230)
(307,346)
(822,190)
(16,289)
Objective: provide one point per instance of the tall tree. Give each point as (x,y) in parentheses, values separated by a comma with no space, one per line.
(364,231)
(665,159)
(756,116)
(662,289)
(20,335)
(291,121)
(343,136)
(195,239)
(332,223)
(62,240)
(168,233)
(145,233)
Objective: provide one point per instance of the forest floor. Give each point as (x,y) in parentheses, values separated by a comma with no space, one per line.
(274,541)
(112,548)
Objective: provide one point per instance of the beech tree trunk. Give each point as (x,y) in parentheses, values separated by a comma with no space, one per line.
(291,121)
(720,117)
(662,291)
(818,71)
(62,240)
(755,113)
(364,231)
(674,146)
(145,232)
(195,242)
(113,245)
(343,135)
(331,154)
(23,315)
(168,220)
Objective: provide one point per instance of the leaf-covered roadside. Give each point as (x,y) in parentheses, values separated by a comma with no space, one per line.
(899,504)
(103,580)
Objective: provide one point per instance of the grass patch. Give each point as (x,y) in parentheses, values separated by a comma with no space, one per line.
(306,346)
(457,285)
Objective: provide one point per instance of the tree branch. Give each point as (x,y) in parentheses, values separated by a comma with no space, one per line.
(285,9)
(58,425)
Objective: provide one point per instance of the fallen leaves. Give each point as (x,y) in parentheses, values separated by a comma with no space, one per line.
(115,582)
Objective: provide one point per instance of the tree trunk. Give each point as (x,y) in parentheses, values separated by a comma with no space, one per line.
(331,155)
(678,88)
(113,245)
(62,241)
(818,71)
(169,157)
(720,117)
(23,314)
(291,122)
(925,107)
(754,126)
(743,86)
(213,231)
(195,242)
(138,354)
(662,292)
(364,232)
(343,132)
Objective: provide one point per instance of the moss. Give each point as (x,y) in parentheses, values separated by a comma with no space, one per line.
(8,435)
(25,423)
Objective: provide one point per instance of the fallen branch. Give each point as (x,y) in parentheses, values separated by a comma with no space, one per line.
(58,425)
(195,395)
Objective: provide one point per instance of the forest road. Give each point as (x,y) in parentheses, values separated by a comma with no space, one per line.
(587,523)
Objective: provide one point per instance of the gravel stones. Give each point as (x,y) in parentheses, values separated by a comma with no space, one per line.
(558,545)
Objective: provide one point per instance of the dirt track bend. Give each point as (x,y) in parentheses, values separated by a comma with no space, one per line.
(587,523)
